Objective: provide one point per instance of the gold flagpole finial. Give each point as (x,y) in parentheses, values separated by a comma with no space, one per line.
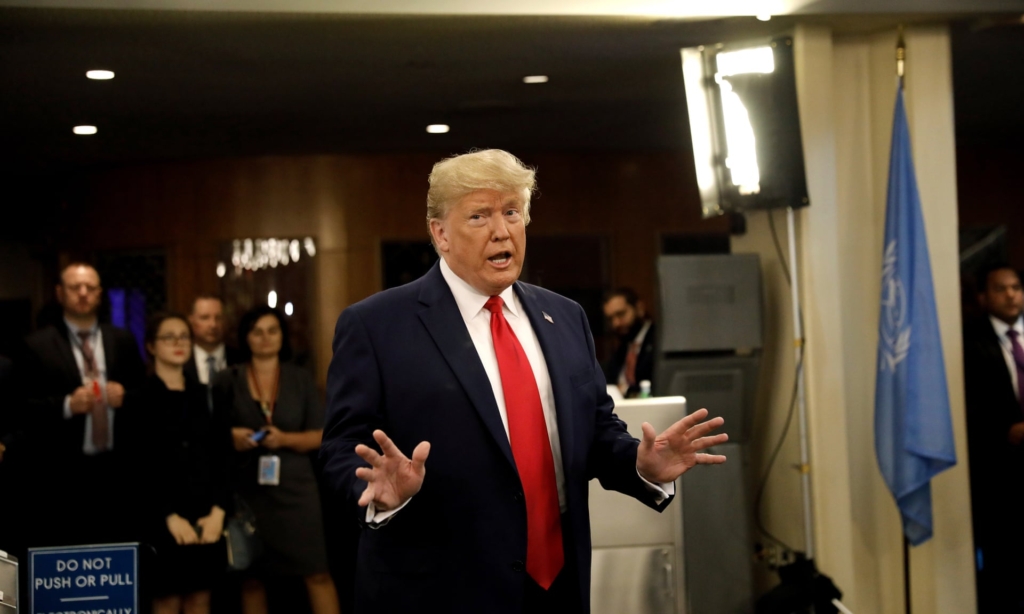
(901,55)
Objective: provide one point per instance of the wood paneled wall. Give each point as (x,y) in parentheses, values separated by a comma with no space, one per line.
(349,203)
(990,192)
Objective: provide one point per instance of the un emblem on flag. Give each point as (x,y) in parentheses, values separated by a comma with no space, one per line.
(894,328)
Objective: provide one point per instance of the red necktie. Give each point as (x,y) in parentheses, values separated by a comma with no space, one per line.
(100,424)
(531,449)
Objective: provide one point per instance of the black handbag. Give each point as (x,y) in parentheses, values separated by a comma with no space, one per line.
(243,540)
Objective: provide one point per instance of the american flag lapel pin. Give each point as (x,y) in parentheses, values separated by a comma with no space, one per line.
(547,317)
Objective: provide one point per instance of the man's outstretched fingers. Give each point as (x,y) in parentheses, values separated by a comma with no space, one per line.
(387,447)
(365,474)
(704,428)
(704,443)
(685,424)
(367,497)
(695,417)
(649,434)
(368,454)
(710,459)
(419,455)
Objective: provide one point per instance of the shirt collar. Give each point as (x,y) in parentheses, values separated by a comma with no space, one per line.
(640,336)
(470,300)
(201,354)
(1002,327)
(74,330)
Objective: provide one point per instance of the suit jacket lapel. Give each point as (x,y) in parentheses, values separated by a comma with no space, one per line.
(440,315)
(995,351)
(62,345)
(109,352)
(560,382)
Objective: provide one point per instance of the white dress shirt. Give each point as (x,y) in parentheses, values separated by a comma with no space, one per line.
(202,364)
(96,341)
(478,322)
(1001,329)
(637,341)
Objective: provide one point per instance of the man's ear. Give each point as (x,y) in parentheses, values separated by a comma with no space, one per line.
(641,309)
(437,231)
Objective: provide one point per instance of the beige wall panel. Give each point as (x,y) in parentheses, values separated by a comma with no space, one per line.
(819,257)
(942,570)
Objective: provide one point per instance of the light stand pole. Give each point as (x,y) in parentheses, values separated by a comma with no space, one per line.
(798,342)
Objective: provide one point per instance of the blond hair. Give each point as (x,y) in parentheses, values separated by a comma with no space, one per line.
(490,169)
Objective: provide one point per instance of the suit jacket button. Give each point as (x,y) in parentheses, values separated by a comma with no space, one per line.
(518,496)
(518,566)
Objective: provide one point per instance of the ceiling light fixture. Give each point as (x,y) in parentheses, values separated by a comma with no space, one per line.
(535,79)
(438,128)
(84,130)
(764,17)
(100,75)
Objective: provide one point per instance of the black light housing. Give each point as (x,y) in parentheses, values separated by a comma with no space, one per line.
(745,126)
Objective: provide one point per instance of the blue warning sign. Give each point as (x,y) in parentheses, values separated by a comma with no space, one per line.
(85,579)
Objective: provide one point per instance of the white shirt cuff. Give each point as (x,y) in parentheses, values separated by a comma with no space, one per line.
(660,491)
(67,407)
(377,519)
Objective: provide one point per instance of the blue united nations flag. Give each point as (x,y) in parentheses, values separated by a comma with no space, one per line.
(913,428)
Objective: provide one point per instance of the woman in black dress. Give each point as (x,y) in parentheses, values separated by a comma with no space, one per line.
(277,416)
(186,459)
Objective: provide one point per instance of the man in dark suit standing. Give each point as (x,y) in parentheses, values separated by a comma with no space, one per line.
(633,360)
(993,376)
(77,374)
(497,382)
(209,353)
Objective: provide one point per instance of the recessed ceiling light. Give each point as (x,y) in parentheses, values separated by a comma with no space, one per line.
(438,128)
(535,79)
(84,129)
(100,75)
(764,17)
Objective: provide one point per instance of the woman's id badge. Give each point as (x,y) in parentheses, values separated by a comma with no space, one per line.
(270,470)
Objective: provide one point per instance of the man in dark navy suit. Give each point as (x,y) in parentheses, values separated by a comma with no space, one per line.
(210,355)
(993,376)
(76,374)
(497,382)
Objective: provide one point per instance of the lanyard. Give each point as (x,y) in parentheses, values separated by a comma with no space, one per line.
(266,407)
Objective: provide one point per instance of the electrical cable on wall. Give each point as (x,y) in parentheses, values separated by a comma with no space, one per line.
(758,499)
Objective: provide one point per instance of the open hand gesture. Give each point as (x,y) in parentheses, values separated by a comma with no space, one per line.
(665,457)
(392,478)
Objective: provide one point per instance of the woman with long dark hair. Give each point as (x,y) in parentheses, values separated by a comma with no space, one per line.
(277,417)
(185,460)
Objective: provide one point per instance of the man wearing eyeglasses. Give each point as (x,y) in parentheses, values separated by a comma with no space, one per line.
(77,373)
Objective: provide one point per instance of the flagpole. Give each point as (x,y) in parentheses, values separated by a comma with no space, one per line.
(901,56)
(906,574)
(901,61)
